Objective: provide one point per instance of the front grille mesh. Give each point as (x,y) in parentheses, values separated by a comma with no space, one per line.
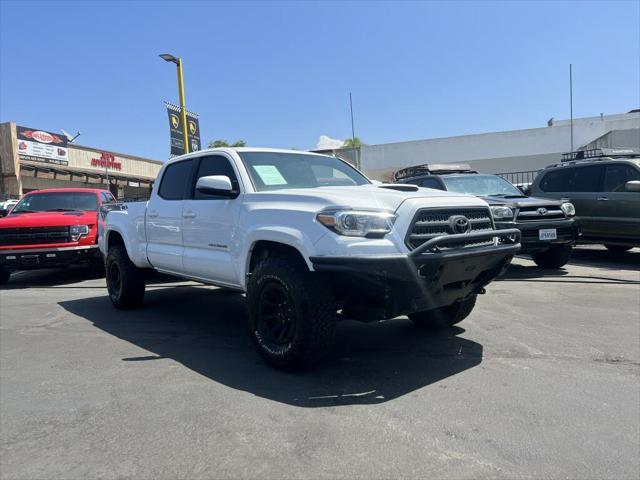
(430,223)
(532,214)
(34,235)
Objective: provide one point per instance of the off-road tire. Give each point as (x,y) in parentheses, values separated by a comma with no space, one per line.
(555,257)
(4,276)
(308,305)
(127,290)
(444,317)
(617,248)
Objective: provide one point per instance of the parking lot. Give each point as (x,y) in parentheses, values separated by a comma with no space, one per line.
(542,380)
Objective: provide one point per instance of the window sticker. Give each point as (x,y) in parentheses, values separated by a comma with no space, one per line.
(270,175)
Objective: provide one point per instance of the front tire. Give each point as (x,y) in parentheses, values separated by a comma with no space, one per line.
(292,314)
(555,257)
(125,281)
(4,276)
(444,317)
(617,248)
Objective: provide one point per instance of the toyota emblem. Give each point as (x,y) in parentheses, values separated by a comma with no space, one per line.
(541,211)
(460,224)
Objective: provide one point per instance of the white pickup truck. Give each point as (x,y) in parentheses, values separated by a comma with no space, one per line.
(310,240)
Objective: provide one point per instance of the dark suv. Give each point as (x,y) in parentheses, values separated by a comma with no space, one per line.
(548,229)
(604,186)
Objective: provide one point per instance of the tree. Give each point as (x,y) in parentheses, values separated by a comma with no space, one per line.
(352,143)
(224,143)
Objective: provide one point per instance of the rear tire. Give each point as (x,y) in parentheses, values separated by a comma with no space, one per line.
(292,314)
(617,248)
(4,276)
(444,317)
(125,281)
(557,256)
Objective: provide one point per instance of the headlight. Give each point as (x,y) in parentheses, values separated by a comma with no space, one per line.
(502,213)
(568,209)
(78,231)
(357,223)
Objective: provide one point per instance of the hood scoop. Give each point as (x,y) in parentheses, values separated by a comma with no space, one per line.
(401,187)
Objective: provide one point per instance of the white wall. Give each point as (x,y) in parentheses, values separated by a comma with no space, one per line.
(510,151)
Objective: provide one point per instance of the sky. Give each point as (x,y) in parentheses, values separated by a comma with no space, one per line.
(278,74)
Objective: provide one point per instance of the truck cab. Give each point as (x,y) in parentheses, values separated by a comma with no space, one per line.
(52,228)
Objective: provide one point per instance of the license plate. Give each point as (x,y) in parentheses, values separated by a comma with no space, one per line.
(548,234)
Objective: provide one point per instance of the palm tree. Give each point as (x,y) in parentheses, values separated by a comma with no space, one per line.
(352,143)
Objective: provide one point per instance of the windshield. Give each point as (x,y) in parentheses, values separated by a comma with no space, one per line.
(481,185)
(277,171)
(57,202)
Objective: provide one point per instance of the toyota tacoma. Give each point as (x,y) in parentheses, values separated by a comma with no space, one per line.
(309,240)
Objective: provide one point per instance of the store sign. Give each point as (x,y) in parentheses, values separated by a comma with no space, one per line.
(176,131)
(107,160)
(41,146)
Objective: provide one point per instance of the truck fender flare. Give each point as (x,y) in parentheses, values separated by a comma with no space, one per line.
(283,235)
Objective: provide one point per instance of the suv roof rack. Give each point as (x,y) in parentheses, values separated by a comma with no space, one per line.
(432,169)
(596,153)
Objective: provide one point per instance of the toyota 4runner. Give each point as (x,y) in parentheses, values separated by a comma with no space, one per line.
(548,227)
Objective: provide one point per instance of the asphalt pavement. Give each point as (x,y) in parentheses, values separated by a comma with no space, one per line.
(541,381)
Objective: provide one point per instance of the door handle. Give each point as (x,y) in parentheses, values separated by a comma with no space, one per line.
(152,214)
(602,198)
(189,215)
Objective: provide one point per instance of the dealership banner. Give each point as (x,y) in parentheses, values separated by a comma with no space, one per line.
(175,130)
(41,146)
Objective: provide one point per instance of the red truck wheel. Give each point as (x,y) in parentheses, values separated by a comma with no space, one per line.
(4,276)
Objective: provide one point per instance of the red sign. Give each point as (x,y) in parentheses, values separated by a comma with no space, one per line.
(106,160)
(42,137)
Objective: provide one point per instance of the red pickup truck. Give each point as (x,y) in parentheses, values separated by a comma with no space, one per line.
(52,228)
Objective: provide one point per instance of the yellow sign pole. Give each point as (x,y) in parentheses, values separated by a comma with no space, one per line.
(183,108)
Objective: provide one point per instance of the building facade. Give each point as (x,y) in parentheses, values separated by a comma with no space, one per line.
(513,151)
(32,159)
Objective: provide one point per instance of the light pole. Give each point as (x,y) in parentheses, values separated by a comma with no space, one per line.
(183,109)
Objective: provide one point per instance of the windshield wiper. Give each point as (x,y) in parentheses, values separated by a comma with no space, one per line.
(506,195)
(62,210)
(23,211)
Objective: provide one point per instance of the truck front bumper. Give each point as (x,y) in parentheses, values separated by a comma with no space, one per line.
(567,232)
(430,276)
(30,259)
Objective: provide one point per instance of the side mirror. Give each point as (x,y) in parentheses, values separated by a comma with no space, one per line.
(217,185)
(4,212)
(632,186)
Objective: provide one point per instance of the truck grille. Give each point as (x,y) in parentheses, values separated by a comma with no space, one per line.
(34,235)
(434,222)
(535,214)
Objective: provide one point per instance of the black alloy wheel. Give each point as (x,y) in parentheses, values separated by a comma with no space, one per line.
(276,316)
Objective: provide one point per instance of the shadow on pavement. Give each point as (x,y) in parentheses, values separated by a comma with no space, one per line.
(597,256)
(51,277)
(607,262)
(204,330)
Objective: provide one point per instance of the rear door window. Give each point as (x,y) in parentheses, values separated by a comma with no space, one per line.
(587,179)
(556,180)
(616,176)
(175,180)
